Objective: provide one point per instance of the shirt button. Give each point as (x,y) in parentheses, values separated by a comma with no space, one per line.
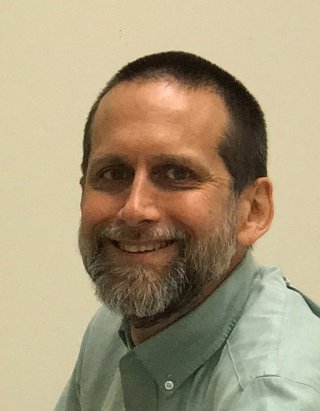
(168,385)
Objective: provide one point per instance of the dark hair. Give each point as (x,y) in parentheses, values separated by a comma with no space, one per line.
(243,147)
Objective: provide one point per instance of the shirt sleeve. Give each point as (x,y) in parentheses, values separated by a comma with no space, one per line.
(69,399)
(276,394)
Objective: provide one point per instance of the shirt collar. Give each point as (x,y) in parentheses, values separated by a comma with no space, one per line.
(185,345)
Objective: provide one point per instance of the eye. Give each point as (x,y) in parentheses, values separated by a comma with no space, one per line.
(178,173)
(117,174)
(114,178)
(175,177)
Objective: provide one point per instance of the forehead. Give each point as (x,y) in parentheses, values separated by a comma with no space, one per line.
(165,95)
(159,115)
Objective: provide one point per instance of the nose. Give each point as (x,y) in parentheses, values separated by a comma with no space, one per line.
(141,204)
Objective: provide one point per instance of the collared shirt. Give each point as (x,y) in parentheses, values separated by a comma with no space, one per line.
(253,345)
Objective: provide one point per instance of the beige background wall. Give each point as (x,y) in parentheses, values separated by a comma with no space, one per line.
(56,55)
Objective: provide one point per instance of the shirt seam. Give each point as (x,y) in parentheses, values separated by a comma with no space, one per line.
(259,274)
(279,377)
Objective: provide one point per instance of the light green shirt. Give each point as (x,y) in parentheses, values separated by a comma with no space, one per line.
(253,345)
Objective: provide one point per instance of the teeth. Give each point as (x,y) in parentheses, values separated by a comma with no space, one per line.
(140,248)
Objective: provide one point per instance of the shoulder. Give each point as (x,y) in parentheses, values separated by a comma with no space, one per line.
(277,335)
(101,342)
(104,323)
(103,328)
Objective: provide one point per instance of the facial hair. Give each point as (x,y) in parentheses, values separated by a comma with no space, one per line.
(147,291)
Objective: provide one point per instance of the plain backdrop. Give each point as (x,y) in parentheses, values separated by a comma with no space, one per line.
(55,57)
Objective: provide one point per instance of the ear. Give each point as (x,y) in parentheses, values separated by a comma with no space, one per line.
(82,184)
(255,211)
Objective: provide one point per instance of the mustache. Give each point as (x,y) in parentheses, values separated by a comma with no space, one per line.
(92,243)
(120,232)
(103,232)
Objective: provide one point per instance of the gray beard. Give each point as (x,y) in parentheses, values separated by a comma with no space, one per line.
(150,292)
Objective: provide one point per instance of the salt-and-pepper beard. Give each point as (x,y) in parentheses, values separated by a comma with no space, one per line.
(146,291)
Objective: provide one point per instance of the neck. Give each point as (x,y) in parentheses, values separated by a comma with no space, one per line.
(142,329)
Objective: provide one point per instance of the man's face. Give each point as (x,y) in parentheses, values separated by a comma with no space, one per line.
(159,221)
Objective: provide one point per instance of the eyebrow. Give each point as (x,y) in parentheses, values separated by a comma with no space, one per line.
(160,159)
(175,160)
(103,159)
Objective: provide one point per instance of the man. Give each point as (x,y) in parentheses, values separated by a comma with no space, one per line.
(174,194)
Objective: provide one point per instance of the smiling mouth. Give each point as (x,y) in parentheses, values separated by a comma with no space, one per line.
(142,247)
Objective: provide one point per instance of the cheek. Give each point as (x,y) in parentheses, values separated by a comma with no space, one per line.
(199,213)
(96,207)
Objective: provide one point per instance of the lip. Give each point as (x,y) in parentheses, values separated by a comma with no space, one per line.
(142,247)
(145,251)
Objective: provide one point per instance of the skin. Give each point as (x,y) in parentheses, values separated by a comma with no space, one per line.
(154,162)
